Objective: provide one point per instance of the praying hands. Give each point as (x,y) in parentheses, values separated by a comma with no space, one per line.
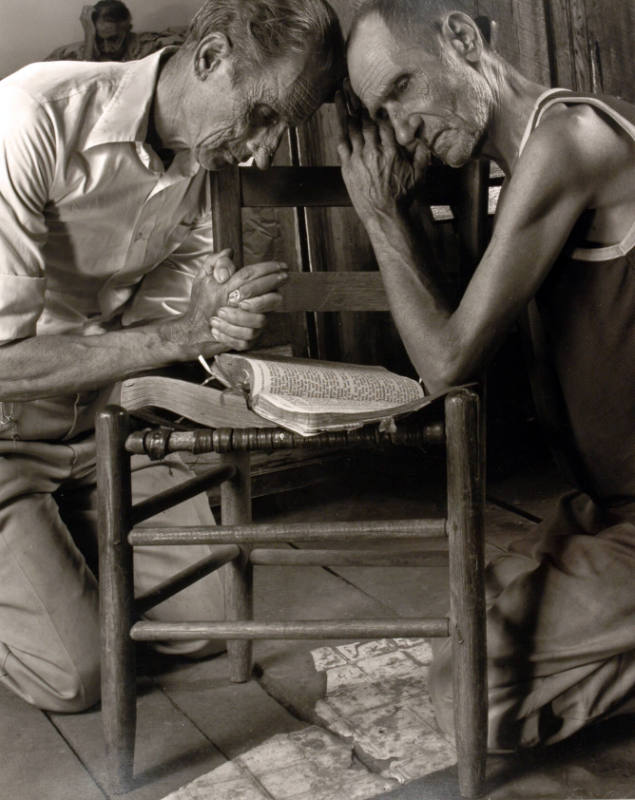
(228,306)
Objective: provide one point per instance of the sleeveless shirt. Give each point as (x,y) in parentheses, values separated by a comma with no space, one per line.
(586,307)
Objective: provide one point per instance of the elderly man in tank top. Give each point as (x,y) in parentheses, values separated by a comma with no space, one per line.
(561,606)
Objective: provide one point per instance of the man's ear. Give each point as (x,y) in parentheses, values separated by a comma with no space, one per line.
(463,35)
(210,52)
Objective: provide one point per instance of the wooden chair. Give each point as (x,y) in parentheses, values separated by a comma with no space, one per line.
(242,544)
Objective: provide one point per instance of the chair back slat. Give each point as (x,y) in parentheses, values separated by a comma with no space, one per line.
(282,187)
(334,291)
(323,186)
(226,212)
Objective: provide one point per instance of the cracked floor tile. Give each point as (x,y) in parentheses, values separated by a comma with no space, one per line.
(379,701)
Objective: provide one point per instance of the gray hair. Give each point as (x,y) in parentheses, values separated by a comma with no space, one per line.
(261,30)
(111,11)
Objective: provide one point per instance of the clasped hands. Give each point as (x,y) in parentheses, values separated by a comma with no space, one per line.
(378,172)
(228,306)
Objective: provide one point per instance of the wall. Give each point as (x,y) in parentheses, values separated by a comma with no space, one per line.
(30,29)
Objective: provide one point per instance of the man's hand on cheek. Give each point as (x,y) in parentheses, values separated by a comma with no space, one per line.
(379,174)
(407,167)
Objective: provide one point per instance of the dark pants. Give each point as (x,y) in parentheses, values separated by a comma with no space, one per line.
(560,629)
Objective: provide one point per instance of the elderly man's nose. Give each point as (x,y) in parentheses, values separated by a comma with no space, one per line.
(404,130)
(263,157)
(276,133)
(267,145)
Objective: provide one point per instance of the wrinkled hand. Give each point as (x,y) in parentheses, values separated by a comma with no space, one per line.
(229,306)
(86,19)
(379,174)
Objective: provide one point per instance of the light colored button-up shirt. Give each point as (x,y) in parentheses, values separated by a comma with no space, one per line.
(87,208)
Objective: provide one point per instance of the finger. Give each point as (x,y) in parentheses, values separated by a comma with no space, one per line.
(237,317)
(234,297)
(355,135)
(387,137)
(252,271)
(353,117)
(342,121)
(235,336)
(231,343)
(343,153)
(222,266)
(263,304)
(259,286)
(421,161)
(370,132)
(353,100)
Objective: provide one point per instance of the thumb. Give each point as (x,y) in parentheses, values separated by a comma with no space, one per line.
(223,266)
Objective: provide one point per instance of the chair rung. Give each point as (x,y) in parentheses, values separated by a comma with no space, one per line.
(266,533)
(352,558)
(297,629)
(189,488)
(222,555)
(243,440)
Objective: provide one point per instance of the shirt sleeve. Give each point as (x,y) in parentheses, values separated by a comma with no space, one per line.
(166,290)
(27,159)
(67,52)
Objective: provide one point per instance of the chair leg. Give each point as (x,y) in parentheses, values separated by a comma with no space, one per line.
(236,510)
(116,598)
(467,600)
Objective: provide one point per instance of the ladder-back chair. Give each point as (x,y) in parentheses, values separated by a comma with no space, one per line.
(455,425)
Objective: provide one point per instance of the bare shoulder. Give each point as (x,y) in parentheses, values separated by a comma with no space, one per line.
(577,147)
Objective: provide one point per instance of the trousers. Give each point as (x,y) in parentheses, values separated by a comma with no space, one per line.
(560,629)
(49,625)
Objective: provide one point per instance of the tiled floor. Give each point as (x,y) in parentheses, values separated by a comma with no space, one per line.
(377,698)
(310,724)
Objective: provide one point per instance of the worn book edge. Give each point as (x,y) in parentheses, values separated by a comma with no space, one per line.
(205,405)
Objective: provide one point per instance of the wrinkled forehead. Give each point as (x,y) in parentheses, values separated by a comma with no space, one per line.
(375,57)
(296,87)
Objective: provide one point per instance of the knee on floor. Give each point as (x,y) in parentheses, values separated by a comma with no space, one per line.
(59,687)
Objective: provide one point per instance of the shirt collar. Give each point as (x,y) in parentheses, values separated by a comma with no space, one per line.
(124,118)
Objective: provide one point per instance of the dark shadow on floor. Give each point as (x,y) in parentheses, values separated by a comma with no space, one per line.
(596,763)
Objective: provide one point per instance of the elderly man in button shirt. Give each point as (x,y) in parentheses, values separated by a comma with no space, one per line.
(104,224)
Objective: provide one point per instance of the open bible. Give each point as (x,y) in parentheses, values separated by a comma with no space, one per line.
(309,396)
(303,395)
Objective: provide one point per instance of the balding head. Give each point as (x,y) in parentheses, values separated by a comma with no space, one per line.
(419,66)
(417,21)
